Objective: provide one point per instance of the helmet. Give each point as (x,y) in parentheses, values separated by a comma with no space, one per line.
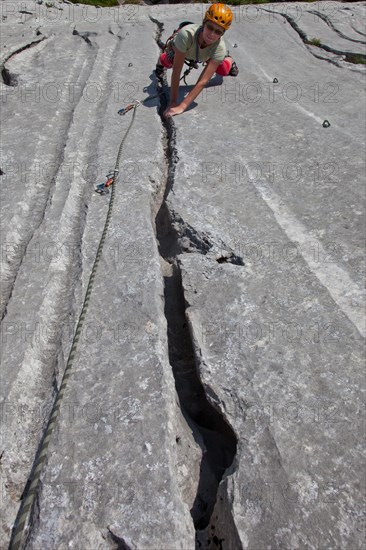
(219,14)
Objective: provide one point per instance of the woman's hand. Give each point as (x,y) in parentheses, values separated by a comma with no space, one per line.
(173,110)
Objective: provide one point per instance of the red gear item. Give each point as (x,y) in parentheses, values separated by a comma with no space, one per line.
(165,61)
(224,68)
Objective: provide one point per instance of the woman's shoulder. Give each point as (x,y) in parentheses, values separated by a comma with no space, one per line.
(190,27)
(185,36)
(189,30)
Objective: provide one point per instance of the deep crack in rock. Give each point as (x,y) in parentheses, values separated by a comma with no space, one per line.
(84,35)
(118,542)
(327,20)
(8,78)
(355,58)
(219,440)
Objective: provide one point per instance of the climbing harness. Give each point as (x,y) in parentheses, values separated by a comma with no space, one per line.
(192,64)
(30,492)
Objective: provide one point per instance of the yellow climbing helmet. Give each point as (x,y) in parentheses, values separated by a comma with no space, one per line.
(219,14)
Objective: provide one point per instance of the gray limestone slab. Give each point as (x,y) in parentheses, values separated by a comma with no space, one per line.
(346,22)
(328,22)
(266,212)
(245,186)
(275,147)
(52,226)
(293,397)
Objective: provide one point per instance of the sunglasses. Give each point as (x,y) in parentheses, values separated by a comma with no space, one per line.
(214,30)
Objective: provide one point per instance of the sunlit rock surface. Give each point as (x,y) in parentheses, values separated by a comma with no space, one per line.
(215,395)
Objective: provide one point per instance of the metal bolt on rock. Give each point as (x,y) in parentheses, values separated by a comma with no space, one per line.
(326,124)
(275,81)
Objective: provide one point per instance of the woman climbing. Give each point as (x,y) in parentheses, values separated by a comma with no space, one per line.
(198,43)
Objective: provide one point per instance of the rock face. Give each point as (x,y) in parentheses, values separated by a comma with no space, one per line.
(215,395)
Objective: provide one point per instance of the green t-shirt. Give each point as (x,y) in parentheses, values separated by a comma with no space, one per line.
(186,41)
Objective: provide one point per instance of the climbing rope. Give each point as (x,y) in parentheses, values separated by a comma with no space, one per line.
(29,496)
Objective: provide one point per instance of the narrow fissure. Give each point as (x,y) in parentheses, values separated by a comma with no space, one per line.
(119,543)
(84,35)
(8,78)
(355,58)
(326,20)
(219,440)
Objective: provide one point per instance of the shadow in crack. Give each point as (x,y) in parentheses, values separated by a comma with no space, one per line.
(8,78)
(219,439)
(214,434)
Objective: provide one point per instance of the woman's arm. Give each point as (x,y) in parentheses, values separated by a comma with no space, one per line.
(204,78)
(178,63)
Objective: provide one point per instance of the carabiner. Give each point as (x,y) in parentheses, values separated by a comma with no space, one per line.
(132,105)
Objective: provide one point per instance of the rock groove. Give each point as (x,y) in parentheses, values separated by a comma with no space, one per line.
(219,440)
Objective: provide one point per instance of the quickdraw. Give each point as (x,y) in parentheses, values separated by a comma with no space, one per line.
(135,103)
(103,188)
(30,494)
(130,106)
